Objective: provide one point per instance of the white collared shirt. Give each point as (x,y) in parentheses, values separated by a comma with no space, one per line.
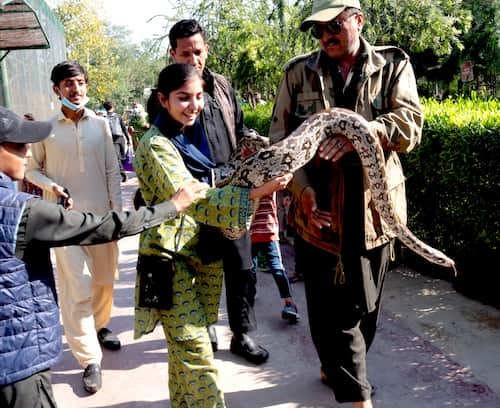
(81,157)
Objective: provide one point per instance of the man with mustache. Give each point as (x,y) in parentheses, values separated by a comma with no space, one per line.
(338,232)
(79,157)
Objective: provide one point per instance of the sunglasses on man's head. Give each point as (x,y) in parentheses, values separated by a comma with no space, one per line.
(333,27)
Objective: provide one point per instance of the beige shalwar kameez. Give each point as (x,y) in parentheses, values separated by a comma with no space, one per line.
(80,156)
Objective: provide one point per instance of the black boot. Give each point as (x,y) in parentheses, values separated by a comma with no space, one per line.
(108,340)
(92,378)
(242,345)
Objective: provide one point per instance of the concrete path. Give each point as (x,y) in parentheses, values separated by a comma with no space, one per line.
(434,349)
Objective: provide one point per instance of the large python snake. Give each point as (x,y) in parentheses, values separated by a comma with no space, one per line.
(300,146)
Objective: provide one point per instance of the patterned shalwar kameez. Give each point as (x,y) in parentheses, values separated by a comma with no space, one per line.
(196,287)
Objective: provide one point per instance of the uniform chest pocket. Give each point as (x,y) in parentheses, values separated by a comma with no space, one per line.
(307,104)
(377,104)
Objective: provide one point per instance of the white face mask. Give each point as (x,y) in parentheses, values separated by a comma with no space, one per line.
(72,106)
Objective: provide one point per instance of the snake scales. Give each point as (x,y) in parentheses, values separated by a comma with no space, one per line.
(299,147)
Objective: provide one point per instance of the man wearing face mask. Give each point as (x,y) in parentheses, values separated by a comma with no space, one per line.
(79,159)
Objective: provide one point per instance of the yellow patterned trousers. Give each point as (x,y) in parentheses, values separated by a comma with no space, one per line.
(192,373)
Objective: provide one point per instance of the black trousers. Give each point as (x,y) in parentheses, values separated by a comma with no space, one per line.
(119,143)
(342,327)
(32,392)
(120,155)
(240,281)
(343,308)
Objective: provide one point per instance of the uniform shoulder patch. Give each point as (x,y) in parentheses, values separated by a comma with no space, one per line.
(291,62)
(398,53)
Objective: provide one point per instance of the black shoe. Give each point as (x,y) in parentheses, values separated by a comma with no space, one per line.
(124,177)
(213,338)
(92,378)
(108,340)
(244,346)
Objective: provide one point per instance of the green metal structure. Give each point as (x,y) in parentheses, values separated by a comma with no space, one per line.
(31,43)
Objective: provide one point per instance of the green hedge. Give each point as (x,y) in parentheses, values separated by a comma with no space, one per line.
(453,189)
(453,192)
(258,118)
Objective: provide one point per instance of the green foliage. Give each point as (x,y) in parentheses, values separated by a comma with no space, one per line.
(118,69)
(137,68)
(453,187)
(258,118)
(482,42)
(454,174)
(417,25)
(430,31)
(250,41)
(87,44)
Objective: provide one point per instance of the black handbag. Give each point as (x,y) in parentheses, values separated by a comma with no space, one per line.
(156,278)
(156,282)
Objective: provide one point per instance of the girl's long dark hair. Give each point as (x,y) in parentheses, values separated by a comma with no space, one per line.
(171,77)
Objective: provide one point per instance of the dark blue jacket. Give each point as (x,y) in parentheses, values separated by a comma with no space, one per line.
(30,334)
(29,317)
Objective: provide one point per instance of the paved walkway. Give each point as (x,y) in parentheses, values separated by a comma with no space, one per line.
(434,349)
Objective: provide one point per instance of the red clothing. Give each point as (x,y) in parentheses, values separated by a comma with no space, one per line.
(265,226)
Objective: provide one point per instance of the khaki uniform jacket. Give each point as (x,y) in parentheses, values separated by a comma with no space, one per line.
(387,97)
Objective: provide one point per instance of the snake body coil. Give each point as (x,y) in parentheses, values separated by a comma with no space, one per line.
(299,147)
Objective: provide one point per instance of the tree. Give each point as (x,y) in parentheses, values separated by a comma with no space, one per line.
(88,45)
(251,40)
(118,69)
(482,42)
(137,67)
(417,25)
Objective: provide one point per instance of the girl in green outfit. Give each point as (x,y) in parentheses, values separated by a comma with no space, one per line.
(172,153)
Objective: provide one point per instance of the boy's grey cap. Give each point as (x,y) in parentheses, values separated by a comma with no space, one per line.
(14,129)
(326,10)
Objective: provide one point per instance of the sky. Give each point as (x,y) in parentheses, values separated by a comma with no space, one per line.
(134,15)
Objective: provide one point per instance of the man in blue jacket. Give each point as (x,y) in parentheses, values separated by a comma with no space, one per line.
(30,333)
